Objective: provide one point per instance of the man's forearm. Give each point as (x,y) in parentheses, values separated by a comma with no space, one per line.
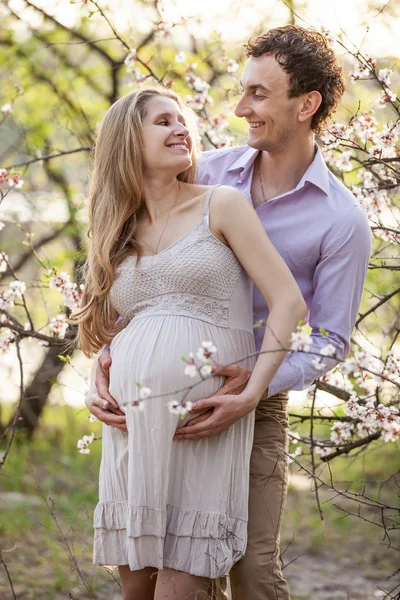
(298,372)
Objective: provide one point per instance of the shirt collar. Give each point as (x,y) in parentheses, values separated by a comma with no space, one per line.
(245,160)
(317,173)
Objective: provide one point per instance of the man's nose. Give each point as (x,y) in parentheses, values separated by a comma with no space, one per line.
(241,109)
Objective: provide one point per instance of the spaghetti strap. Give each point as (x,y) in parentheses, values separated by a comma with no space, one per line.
(206,209)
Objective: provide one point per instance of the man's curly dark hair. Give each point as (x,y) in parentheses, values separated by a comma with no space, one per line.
(305,56)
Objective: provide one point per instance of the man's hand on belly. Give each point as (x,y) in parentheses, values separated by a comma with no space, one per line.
(99,401)
(225,407)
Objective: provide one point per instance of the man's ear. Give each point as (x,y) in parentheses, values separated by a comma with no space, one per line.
(309,105)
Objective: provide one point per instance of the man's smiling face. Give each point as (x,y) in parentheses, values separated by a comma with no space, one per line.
(266,106)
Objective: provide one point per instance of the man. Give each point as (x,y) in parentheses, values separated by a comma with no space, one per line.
(291,85)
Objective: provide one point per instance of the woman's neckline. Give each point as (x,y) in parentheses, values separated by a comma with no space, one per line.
(154,256)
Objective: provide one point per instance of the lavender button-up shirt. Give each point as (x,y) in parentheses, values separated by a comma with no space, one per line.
(323,235)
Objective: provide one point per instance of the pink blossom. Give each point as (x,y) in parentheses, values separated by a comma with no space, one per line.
(4,175)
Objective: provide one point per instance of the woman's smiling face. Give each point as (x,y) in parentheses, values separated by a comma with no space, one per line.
(166,140)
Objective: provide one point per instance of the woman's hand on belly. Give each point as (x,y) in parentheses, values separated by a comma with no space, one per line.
(224,408)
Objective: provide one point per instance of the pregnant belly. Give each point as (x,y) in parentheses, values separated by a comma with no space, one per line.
(149,352)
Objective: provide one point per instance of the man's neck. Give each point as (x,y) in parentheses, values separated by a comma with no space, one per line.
(282,171)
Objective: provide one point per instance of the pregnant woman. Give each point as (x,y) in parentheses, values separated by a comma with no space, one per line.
(177,261)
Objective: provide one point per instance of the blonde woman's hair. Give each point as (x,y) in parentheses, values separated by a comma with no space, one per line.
(115,199)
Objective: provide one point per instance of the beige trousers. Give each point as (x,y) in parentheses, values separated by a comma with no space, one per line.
(258,576)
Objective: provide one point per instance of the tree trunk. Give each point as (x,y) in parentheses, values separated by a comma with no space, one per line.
(36,394)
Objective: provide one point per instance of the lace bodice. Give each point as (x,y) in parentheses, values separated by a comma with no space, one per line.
(197,276)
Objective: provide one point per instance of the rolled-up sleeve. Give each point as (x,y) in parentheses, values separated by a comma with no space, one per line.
(338,284)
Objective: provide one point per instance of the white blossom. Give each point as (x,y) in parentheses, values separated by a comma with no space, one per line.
(354,409)
(130,60)
(164,28)
(343,163)
(6,108)
(3,262)
(391,431)
(206,351)
(137,405)
(298,452)
(385,75)
(375,151)
(311,391)
(328,35)
(328,350)
(341,432)
(318,364)
(322,450)
(386,96)
(180,409)
(173,407)
(5,342)
(191,368)
(360,72)
(300,342)
(15,290)
(71,293)
(294,437)
(232,65)
(205,370)
(58,326)
(83,444)
(18,287)
(392,366)
(144,392)
(180,57)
